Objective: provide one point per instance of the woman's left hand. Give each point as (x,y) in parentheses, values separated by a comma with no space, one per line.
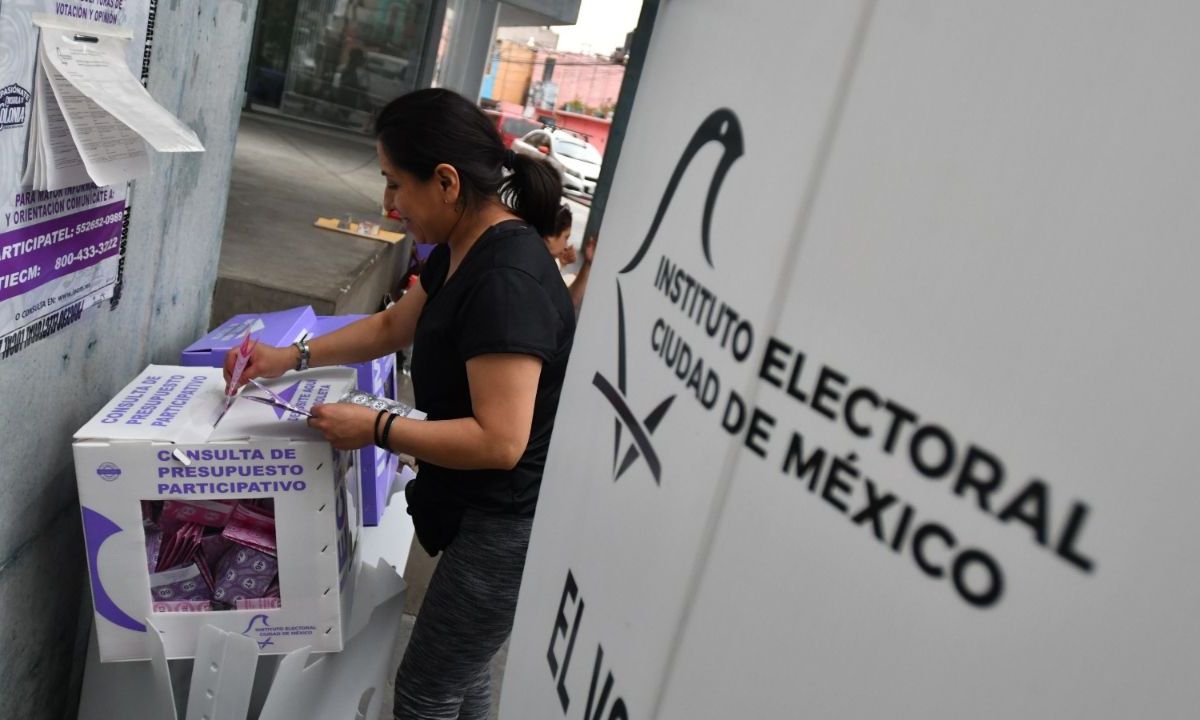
(346,426)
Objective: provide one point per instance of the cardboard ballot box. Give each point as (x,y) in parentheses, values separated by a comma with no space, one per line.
(278,329)
(376,466)
(246,526)
(378,376)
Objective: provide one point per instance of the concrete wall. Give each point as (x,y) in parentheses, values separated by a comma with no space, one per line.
(542,37)
(587,78)
(468,45)
(48,390)
(513,73)
(539,12)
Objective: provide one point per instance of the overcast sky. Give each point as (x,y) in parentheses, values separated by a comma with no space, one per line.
(601,26)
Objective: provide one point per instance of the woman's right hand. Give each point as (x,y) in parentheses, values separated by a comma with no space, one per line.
(265,362)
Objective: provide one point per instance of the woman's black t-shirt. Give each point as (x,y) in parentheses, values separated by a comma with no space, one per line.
(506,296)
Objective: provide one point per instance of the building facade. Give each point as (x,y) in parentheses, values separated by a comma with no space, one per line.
(336,62)
(574,91)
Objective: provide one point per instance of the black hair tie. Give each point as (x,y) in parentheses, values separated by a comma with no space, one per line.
(510,159)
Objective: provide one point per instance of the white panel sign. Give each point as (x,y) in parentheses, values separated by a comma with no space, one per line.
(882,396)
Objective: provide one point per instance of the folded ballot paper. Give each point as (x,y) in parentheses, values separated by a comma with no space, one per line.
(92,121)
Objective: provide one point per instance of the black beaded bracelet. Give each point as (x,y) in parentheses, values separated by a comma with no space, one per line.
(387,431)
(377,419)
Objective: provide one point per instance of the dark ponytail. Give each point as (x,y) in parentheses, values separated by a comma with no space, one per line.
(534,192)
(426,128)
(563,220)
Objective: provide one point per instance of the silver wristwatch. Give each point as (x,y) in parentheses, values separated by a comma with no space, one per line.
(302,346)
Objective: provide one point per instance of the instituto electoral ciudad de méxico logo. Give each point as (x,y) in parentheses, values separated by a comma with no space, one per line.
(721,127)
(263,640)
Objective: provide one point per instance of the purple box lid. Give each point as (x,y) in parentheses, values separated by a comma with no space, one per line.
(377,473)
(374,376)
(275,328)
(377,468)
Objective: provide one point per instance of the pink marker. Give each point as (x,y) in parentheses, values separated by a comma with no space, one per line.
(239,366)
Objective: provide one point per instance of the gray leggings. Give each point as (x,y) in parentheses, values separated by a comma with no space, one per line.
(467,615)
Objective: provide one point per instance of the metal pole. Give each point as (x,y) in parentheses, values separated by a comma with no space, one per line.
(429,50)
(616,135)
(255,44)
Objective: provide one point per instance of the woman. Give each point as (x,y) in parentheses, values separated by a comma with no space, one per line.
(557,241)
(564,254)
(491,325)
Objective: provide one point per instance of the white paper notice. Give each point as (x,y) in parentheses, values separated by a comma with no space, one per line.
(92,120)
(97,69)
(53,161)
(66,167)
(110,150)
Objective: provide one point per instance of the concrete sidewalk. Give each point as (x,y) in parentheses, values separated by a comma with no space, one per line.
(285,175)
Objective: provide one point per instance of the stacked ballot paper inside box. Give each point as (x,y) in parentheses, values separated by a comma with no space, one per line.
(277,329)
(92,121)
(376,466)
(247,526)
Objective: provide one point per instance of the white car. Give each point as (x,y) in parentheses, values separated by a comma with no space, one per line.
(577,160)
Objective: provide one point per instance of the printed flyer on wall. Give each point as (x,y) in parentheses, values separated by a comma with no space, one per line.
(61,252)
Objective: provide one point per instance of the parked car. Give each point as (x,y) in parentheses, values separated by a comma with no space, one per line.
(511,126)
(577,160)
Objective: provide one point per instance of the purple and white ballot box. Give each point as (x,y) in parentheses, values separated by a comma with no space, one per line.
(276,328)
(376,467)
(193,516)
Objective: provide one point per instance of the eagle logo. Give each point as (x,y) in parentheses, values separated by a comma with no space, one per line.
(721,127)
